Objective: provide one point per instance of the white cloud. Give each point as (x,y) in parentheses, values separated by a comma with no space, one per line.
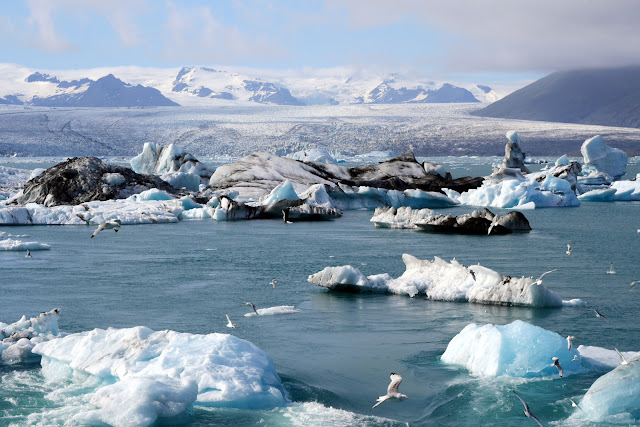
(45,36)
(515,35)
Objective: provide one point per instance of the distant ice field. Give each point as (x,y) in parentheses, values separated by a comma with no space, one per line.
(233,131)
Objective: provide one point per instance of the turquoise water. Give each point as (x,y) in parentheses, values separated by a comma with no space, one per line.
(339,349)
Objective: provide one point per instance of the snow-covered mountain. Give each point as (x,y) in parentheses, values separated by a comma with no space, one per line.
(199,85)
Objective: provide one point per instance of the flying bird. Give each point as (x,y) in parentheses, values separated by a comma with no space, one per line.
(392,390)
(575,357)
(568,249)
(575,405)
(634,283)
(624,361)
(115,225)
(598,314)
(273,283)
(527,411)
(570,339)
(253,307)
(493,224)
(229,325)
(556,363)
(28,255)
(538,281)
(611,269)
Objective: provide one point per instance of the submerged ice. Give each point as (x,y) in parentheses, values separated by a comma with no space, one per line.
(443,281)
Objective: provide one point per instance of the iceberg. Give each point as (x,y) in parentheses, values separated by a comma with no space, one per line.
(224,371)
(443,281)
(600,158)
(518,349)
(157,159)
(619,191)
(513,155)
(614,398)
(18,339)
(20,246)
(402,217)
(270,311)
(12,180)
(185,180)
(314,155)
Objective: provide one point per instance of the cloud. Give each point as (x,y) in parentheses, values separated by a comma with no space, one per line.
(509,35)
(45,36)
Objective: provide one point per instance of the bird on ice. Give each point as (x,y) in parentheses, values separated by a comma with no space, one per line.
(623,360)
(115,225)
(598,314)
(611,269)
(392,390)
(634,283)
(527,411)
(28,255)
(570,339)
(273,283)
(538,281)
(253,307)
(229,325)
(556,363)
(568,249)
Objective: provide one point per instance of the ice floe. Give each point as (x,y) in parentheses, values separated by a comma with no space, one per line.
(623,191)
(443,281)
(19,245)
(19,338)
(270,311)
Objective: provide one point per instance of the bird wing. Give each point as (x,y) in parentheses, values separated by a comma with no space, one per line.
(526,407)
(493,224)
(535,418)
(228,320)
(620,354)
(546,272)
(99,229)
(395,382)
(380,400)
(559,369)
(254,309)
(601,315)
(635,282)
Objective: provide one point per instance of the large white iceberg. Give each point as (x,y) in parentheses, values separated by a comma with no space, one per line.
(444,281)
(18,339)
(170,370)
(614,398)
(518,349)
(157,159)
(19,245)
(600,158)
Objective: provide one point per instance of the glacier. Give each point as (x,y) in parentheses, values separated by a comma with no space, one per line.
(443,281)
(147,374)
(19,338)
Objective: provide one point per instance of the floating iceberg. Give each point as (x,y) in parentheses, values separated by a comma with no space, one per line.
(600,158)
(189,181)
(518,349)
(157,159)
(18,339)
(270,311)
(443,281)
(314,155)
(402,217)
(168,366)
(614,398)
(620,191)
(513,155)
(19,245)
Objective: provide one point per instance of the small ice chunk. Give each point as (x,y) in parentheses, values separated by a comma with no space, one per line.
(113,178)
(270,311)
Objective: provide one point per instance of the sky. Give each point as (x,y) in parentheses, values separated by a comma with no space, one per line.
(461,39)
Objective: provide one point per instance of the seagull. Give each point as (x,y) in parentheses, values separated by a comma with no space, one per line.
(556,363)
(570,338)
(568,249)
(229,325)
(598,314)
(575,357)
(575,405)
(115,225)
(538,281)
(472,274)
(635,282)
(28,255)
(527,411)
(273,283)
(611,269)
(254,308)
(493,224)
(624,361)
(392,390)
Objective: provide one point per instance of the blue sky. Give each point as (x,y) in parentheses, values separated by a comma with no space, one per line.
(463,39)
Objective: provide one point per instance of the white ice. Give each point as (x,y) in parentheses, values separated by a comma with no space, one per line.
(600,158)
(12,180)
(18,339)
(113,178)
(444,281)
(619,191)
(284,191)
(270,311)
(189,181)
(403,217)
(166,367)
(157,159)
(20,246)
